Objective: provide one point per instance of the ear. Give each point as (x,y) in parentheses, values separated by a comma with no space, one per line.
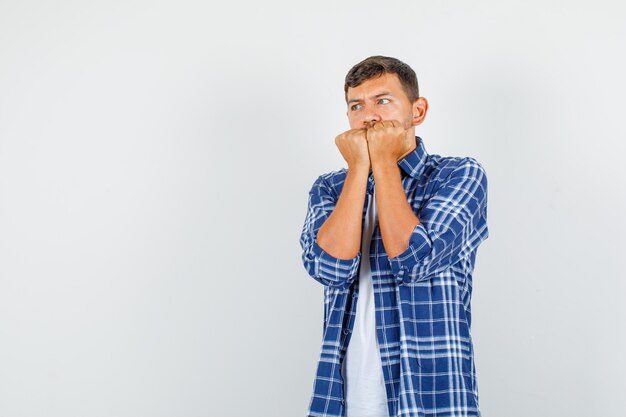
(419,107)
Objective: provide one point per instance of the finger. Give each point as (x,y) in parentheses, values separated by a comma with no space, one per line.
(356,133)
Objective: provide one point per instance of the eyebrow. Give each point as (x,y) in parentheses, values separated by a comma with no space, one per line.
(356,100)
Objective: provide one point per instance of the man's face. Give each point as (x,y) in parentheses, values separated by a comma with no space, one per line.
(382,98)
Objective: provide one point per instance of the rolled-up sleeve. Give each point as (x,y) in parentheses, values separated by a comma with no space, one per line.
(320,265)
(453,223)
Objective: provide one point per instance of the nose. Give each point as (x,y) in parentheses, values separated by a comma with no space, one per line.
(370,117)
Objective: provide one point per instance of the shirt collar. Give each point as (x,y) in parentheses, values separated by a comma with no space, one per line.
(414,163)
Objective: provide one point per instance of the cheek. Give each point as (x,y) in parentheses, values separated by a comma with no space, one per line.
(354,121)
(400,115)
(392,113)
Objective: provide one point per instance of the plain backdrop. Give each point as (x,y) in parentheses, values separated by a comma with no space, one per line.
(155,163)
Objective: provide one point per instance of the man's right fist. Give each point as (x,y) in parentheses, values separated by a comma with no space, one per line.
(353,147)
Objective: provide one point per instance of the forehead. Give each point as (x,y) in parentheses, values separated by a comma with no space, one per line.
(386,83)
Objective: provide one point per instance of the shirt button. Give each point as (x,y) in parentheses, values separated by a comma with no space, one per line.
(346,331)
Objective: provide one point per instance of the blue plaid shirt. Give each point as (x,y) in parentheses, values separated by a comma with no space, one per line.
(422,296)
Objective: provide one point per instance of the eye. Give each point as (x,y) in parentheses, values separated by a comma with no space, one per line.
(383,101)
(355,107)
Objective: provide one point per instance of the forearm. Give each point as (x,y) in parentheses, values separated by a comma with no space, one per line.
(395,216)
(340,235)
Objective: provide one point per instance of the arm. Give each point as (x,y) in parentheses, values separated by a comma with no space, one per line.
(395,216)
(331,236)
(451,225)
(340,235)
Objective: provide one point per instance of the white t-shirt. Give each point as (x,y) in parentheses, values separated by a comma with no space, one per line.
(362,368)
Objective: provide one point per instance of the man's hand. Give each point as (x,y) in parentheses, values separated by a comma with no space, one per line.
(389,142)
(353,147)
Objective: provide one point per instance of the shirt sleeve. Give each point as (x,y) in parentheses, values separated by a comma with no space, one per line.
(453,222)
(319,264)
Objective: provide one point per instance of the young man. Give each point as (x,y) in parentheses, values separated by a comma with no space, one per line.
(393,239)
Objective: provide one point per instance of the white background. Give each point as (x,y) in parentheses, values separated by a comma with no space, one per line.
(155,163)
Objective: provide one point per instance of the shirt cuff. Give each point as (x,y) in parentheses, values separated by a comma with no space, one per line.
(334,271)
(419,247)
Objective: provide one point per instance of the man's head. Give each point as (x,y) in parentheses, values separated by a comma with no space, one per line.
(382,88)
(377,65)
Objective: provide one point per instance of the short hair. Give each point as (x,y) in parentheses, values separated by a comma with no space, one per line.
(376,66)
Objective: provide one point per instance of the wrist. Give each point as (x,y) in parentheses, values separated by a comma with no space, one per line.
(384,165)
(359,168)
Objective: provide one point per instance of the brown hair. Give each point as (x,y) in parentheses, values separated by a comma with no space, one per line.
(376,66)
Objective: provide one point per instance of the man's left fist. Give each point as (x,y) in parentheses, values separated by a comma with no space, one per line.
(388,141)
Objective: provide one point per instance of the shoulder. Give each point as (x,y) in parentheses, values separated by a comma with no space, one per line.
(330,182)
(444,168)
